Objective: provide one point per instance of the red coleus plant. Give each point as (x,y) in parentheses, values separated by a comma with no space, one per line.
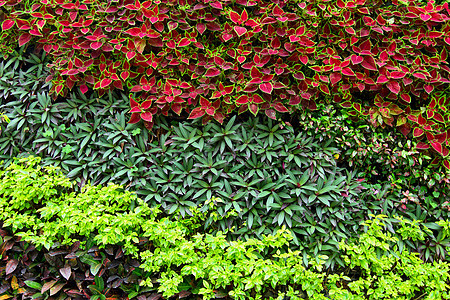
(207,58)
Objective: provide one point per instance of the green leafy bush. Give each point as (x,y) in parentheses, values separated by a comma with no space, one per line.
(177,255)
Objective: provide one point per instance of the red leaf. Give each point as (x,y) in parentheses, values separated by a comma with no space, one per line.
(184,42)
(280,107)
(438,117)
(226,37)
(234,16)
(146,104)
(197,113)
(24,38)
(133,103)
(124,75)
(419,75)
(217,5)
(406,98)
(242,100)
(324,88)
(422,146)
(417,132)
(210,111)
(369,63)
(83,88)
(135,117)
(393,86)
(7,24)
(255,73)
(118,84)
(335,78)
(382,79)
(356,59)
(244,16)
(428,88)
(201,28)
(96,45)
(253,108)
(212,72)
(257,99)
(240,31)
(447,164)
(176,107)
(348,72)
(147,116)
(303,59)
(219,117)
(350,30)
(275,43)
(266,87)
(436,146)
(397,75)
(105,82)
(136,88)
(346,104)
(131,54)
(425,17)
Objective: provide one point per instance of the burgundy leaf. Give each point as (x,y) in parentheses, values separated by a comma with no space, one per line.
(266,87)
(212,72)
(335,78)
(135,117)
(382,79)
(422,146)
(105,82)
(356,59)
(147,116)
(197,113)
(243,99)
(280,107)
(11,265)
(240,31)
(393,86)
(369,63)
(7,24)
(397,75)
(428,88)
(24,38)
(83,88)
(418,132)
(184,42)
(271,113)
(201,28)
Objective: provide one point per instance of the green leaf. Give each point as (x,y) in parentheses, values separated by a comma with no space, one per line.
(33,285)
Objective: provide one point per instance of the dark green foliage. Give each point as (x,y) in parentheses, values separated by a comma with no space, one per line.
(23,75)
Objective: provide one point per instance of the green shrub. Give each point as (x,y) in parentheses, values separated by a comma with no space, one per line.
(176,255)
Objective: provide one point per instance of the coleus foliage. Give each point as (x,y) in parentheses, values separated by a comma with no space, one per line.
(209,58)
